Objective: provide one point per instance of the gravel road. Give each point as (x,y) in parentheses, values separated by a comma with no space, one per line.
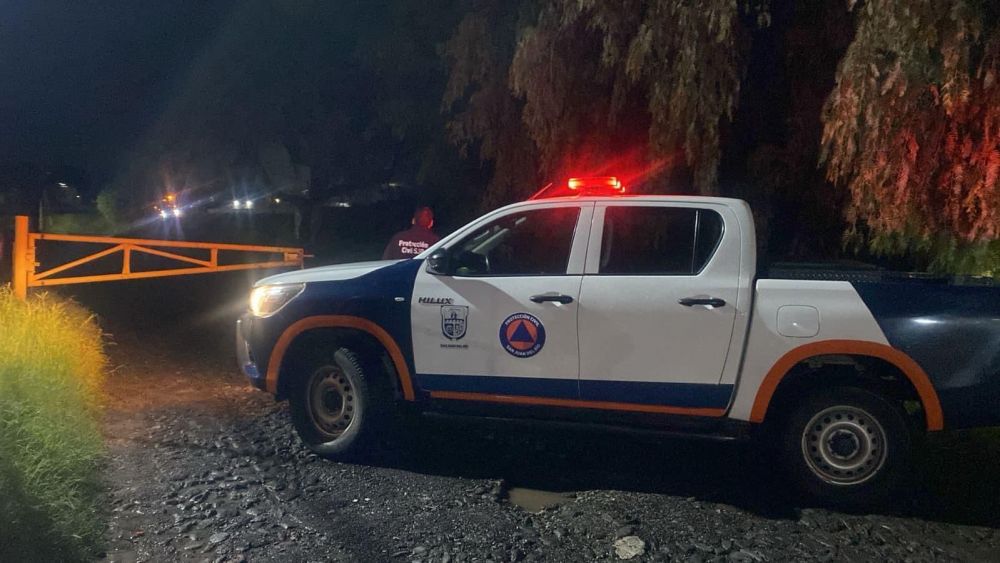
(202,467)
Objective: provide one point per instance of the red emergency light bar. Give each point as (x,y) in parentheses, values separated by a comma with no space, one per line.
(597,184)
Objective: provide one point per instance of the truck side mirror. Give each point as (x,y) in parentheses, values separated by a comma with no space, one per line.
(439,263)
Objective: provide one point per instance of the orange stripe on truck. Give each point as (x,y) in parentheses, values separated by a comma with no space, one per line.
(555,402)
(912,371)
(339,321)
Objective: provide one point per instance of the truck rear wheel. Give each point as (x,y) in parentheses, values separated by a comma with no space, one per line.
(338,410)
(847,447)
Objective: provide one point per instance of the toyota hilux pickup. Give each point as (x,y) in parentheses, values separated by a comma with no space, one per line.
(591,305)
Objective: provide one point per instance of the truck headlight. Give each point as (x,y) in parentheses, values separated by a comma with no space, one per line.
(267,300)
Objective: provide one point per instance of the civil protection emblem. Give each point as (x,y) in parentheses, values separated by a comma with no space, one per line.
(454,321)
(522,335)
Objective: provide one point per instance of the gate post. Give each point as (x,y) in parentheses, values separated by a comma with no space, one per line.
(20,254)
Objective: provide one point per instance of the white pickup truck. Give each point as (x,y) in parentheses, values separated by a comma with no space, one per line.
(591,305)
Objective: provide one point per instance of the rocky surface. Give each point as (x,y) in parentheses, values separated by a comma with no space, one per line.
(202,467)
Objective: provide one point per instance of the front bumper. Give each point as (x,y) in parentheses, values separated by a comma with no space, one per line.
(244,354)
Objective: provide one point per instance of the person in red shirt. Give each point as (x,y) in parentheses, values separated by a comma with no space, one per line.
(416,239)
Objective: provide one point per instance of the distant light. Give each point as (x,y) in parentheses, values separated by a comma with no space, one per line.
(78,196)
(170,197)
(163,214)
(341,204)
(237,204)
(63,185)
(177,212)
(277,200)
(249,204)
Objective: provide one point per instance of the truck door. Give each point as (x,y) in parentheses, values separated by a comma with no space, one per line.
(658,304)
(502,324)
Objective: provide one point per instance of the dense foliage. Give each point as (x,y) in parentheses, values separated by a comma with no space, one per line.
(589,81)
(682,60)
(912,128)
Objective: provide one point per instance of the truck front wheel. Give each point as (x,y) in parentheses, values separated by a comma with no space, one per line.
(337,408)
(847,447)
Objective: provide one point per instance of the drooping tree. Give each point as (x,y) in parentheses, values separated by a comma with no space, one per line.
(912,129)
(484,116)
(593,80)
(679,63)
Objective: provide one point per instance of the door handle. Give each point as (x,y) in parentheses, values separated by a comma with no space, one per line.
(710,301)
(555,297)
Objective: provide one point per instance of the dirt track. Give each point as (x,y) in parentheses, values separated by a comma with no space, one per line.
(203,467)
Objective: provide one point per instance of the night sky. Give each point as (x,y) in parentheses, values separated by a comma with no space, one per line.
(81,80)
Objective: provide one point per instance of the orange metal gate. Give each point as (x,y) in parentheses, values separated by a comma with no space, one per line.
(27,275)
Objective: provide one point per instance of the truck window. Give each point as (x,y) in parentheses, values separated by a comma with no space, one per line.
(530,243)
(658,240)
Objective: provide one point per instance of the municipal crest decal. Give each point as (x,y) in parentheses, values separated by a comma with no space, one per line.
(454,321)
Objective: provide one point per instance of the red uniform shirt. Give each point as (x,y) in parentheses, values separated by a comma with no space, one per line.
(409,243)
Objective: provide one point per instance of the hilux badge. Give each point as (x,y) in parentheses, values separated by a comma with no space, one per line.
(435,300)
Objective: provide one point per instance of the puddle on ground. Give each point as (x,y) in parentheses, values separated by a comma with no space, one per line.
(535,500)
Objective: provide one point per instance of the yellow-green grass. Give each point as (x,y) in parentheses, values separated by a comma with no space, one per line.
(51,371)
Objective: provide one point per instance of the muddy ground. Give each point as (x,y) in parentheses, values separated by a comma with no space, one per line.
(202,467)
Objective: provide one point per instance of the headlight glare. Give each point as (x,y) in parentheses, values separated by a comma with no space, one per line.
(267,300)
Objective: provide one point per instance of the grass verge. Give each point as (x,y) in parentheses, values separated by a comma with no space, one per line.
(52,366)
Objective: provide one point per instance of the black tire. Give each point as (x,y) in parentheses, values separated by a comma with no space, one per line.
(847,447)
(339,406)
